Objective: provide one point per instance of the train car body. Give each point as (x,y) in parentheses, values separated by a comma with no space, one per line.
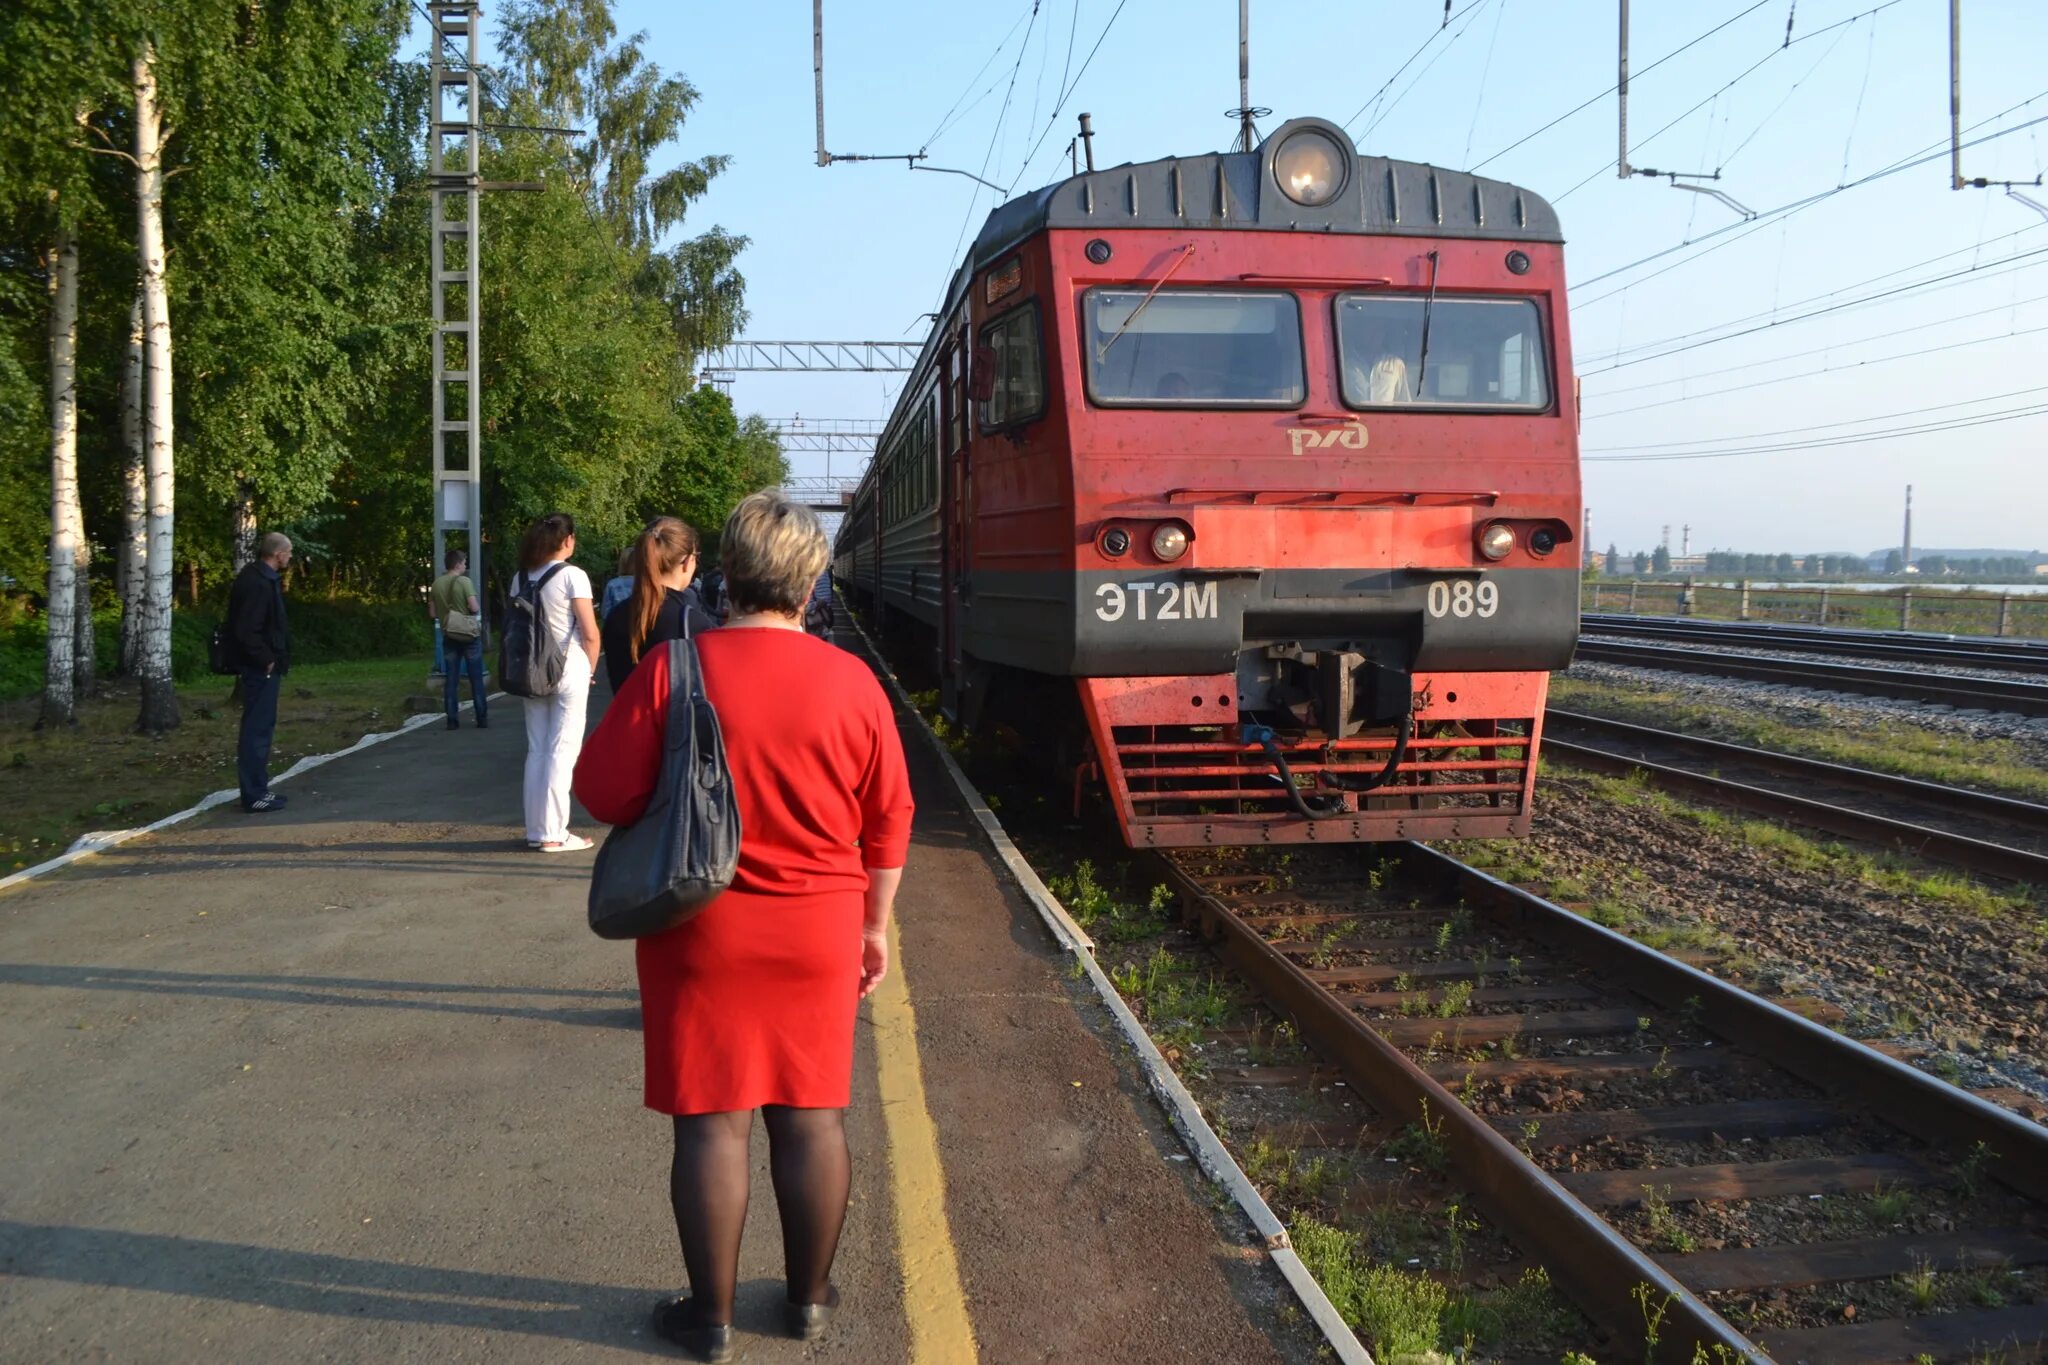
(1270,460)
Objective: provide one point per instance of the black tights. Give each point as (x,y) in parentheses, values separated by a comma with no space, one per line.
(707,1184)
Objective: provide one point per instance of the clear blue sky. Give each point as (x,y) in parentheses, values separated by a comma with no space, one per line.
(859,251)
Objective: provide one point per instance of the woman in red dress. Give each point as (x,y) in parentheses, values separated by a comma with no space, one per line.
(750,1005)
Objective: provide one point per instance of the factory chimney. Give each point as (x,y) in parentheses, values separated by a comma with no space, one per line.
(1906,549)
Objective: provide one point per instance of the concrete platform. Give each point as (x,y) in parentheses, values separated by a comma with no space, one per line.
(354,1083)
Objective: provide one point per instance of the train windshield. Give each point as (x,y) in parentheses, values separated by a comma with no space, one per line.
(1483,353)
(1184,347)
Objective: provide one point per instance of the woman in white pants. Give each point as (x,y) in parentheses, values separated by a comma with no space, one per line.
(554,725)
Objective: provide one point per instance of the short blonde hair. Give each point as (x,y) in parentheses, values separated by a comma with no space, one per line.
(773,552)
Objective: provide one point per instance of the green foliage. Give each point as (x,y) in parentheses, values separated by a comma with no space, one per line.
(297,220)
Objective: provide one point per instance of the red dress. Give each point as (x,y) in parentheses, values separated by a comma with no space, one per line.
(752,1002)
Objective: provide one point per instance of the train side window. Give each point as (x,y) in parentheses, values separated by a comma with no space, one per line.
(1019,392)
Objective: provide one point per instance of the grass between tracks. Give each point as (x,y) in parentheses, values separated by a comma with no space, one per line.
(1891,874)
(99,774)
(1881,745)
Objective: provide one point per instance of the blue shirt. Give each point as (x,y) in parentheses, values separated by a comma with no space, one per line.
(615,592)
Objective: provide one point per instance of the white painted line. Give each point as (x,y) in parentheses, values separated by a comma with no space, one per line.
(98,841)
(1208,1149)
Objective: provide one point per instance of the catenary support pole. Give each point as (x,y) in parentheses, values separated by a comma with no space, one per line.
(1621,89)
(454,146)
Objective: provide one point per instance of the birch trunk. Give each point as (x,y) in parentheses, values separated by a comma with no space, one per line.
(159,701)
(60,615)
(245,526)
(134,555)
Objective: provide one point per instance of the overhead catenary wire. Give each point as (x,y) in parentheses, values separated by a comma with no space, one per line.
(1982,272)
(1747,72)
(1067,94)
(1824,426)
(1742,229)
(1471,15)
(1434,34)
(946,120)
(1635,76)
(1823,443)
(1830,369)
(1777,317)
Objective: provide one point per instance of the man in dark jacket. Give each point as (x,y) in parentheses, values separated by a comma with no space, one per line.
(263,648)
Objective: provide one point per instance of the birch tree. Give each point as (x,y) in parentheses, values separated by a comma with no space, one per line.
(159,700)
(60,616)
(132,562)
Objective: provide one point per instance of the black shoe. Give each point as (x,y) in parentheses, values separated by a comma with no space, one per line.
(483,725)
(810,1321)
(269,801)
(454,724)
(674,1322)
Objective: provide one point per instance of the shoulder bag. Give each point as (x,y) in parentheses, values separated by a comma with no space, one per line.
(673,861)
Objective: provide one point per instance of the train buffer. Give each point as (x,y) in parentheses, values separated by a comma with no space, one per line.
(354,1083)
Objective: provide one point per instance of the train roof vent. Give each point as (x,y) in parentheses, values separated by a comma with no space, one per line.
(1373,195)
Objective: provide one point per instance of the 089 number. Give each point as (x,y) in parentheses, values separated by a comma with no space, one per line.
(1463,598)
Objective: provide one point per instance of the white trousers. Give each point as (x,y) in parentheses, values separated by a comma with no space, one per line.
(554,736)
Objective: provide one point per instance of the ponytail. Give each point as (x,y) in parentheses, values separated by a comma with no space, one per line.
(663,546)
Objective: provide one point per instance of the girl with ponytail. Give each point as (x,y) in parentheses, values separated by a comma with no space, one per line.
(661,605)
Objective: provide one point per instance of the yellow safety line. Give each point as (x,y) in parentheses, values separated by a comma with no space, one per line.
(940,1331)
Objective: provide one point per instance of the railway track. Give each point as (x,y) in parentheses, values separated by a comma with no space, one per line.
(2019,656)
(1963,693)
(1689,1161)
(1997,836)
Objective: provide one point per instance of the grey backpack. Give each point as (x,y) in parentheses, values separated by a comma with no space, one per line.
(673,861)
(531,657)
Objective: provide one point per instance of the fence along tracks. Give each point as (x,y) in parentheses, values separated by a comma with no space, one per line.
(1633,1082)
(1997,836)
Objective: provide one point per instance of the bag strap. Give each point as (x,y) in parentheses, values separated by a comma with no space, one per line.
(683,689)
(529,587)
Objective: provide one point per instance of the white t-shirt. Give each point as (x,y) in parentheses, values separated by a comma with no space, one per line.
(568,584)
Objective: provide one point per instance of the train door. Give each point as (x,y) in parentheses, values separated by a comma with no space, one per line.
(953,517)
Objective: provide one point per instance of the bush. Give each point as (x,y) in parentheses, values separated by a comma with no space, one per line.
(323,631)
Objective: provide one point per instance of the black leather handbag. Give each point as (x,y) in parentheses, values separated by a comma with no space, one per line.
(673,861)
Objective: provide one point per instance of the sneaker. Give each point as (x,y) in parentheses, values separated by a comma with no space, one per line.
(574,843)
(267,802)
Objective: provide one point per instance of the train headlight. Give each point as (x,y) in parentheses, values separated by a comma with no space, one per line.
(1170,541)
(1115,541)
(1497,540)
(1542,541)
(1311,168)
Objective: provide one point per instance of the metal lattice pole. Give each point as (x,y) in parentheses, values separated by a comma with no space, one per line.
(454,143)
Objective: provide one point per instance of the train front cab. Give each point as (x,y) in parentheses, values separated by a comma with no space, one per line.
(1320,569)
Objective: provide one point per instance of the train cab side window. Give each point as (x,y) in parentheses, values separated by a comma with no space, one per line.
(1483,353)
(1020,370)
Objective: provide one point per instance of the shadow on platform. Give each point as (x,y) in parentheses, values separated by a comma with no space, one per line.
(324,990)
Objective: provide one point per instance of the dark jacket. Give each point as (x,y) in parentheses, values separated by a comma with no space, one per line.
(256,618)
(668,625)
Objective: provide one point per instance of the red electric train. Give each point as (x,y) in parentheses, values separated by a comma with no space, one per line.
(1261,466)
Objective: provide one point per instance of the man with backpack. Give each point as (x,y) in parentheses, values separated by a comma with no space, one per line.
(260,641)
(547,653)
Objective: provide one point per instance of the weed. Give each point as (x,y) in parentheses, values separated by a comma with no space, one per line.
(1422,1143)
(1511,1045)
(1665,1231)
(1985,1288)
(1531,1130)
(1920,1284)
(1404,982)
(1282,1172)
(1569,889)
(1971,1170)
(1576,1358)
(1326,947)
(1443,938)
(1414,1003)
(1514,969)
(1397,1312)
(1457,998)
(1890,1205)
(1653,1318)
(1662,1069)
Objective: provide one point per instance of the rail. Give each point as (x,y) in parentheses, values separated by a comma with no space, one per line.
(2020,698)
(1893,1125)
